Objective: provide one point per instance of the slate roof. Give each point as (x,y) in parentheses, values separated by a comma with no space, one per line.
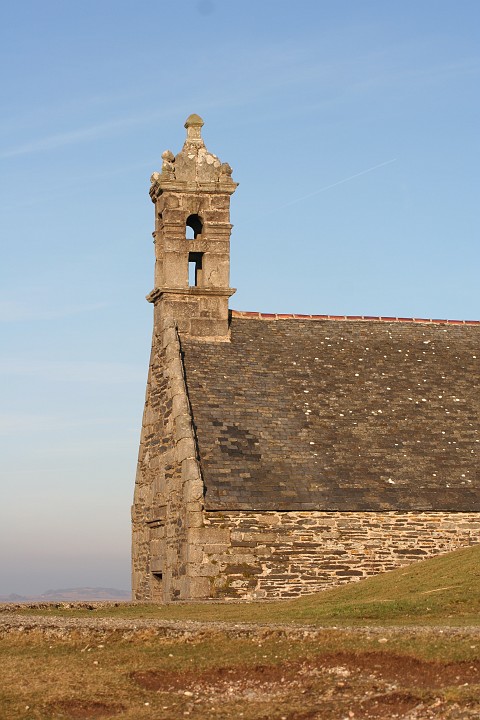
(352,415)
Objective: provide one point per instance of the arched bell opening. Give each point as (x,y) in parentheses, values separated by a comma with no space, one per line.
(193,227)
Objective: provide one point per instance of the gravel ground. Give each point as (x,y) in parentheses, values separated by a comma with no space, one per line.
(61,625)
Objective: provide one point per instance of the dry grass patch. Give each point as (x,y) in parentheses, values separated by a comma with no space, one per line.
(325,677)
(98,670)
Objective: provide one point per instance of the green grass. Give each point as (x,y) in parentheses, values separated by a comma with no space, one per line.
(39,673)
(441,591)
(80,675)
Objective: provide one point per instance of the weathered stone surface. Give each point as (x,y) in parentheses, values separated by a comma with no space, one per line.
(193,191)
(199,587)
(168,478)
(282,456)
(300,558)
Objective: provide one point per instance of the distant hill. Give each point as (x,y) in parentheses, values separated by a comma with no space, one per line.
(70,595)
(14,598)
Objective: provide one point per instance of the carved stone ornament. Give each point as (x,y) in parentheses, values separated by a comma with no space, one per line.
(225,169)
(168,164)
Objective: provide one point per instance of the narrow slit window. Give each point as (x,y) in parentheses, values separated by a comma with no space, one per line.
(193,227)
(195,262)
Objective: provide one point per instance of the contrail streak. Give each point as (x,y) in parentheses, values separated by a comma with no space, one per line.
(340,182)
(323,189)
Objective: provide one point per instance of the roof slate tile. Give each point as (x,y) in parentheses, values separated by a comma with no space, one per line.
(342,415)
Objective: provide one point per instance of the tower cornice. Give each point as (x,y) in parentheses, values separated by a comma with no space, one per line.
(158,293)
(160,184)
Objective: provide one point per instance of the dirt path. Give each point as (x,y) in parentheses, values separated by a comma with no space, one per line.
(62,625)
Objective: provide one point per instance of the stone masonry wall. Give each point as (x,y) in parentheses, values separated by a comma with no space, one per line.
(285,554)
(169,489)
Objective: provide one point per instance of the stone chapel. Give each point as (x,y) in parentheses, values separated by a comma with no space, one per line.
(284,454)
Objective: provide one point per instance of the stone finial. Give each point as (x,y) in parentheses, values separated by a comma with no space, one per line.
(193,164)
(168,160)
(194,120)
(226,170)
(194,124)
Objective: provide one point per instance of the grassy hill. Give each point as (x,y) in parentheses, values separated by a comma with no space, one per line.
(442,590)
(331,673)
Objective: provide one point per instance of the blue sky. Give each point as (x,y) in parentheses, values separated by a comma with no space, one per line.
(352,128)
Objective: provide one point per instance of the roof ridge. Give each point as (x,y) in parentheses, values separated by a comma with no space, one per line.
(380,318)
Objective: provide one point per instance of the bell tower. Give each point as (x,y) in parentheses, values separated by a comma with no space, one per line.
(192,238)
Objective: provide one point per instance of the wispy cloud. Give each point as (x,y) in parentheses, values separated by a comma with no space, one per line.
(73,137)
(274,68)
(98,130)
(73,371)
(119,125)
(11,423)
(329,76)
(43,424)
(77,182)
(74,105)
(15,311)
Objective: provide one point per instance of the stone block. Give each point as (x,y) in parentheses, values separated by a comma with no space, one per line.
(177,389)
(190,469)
(199,587)
(194,519)
(265,538)
(169,337)
(185,448)
(183,429)
(219,201)
(195,506)
(194,554)
(156,564)
(170,530)
(173,216)
(193,491)
(215,548)
(262,551)
(203,570)
(179,401)
(236,558)
(171,199)
(182,583)
(209,535)
(149,416)
(204,327)
(173,363)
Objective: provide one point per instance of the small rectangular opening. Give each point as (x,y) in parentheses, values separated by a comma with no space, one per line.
(195,260)
(157,586)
